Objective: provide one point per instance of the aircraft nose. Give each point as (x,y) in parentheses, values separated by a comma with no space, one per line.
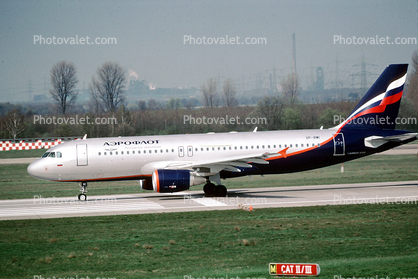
(34,169)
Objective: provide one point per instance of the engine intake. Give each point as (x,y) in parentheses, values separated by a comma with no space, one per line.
(169,181)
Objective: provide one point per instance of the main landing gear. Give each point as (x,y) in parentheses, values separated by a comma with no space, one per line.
(82,196)
(212,190)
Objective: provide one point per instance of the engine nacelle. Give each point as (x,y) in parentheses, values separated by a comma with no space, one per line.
(168,181)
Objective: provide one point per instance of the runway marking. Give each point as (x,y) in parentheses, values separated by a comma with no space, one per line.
(206,201)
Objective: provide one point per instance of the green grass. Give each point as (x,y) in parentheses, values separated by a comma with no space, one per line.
(15,183)
(22,153)
(351,240)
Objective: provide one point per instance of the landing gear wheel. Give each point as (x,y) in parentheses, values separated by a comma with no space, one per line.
(83,196)
(220,191)
(209,189)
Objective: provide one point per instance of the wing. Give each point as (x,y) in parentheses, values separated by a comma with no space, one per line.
(212,167)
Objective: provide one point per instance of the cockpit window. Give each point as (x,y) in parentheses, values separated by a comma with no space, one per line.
(45,154)
(59,154)
(51,154)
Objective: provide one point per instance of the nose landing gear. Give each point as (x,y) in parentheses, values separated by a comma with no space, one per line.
(82,196)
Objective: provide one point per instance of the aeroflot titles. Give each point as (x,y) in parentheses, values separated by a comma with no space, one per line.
(137,142)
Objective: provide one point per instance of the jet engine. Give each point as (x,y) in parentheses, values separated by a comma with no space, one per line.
(168,181)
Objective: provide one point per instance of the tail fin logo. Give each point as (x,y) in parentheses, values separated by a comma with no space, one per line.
(381,101)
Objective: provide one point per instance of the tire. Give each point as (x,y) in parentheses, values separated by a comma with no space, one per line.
(220,191)
(82,197)
(209,189)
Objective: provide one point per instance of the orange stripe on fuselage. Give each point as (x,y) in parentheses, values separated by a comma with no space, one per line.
(298,152)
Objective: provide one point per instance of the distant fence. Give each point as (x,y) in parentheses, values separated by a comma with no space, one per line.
(32,143)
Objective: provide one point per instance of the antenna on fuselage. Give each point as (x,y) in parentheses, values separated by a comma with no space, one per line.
(255,130)
(85,136)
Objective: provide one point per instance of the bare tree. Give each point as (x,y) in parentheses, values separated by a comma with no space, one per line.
(109,86)
(63,80)
(210,97)
(229,92)
(14,123)
(291,88)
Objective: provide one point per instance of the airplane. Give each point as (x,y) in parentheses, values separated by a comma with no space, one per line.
(173,163)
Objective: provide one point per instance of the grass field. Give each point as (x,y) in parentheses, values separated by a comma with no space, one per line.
(351,240)
(15,183)
(22,153)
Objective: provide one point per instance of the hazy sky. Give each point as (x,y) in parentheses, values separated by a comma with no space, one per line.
(150,39)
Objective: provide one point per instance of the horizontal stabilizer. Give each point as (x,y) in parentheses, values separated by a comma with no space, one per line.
(376,141)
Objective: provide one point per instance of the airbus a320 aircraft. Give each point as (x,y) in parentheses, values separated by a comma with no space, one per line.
(173,163)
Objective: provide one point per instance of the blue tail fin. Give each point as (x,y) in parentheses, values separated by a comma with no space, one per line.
(379,107)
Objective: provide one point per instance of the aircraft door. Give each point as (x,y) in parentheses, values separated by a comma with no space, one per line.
(81,154)
(339,145)
(190,151)
(181,151)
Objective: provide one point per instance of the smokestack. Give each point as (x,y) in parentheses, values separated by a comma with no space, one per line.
(294,53)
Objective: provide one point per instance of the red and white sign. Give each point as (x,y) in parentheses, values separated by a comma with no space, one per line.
(294,269)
